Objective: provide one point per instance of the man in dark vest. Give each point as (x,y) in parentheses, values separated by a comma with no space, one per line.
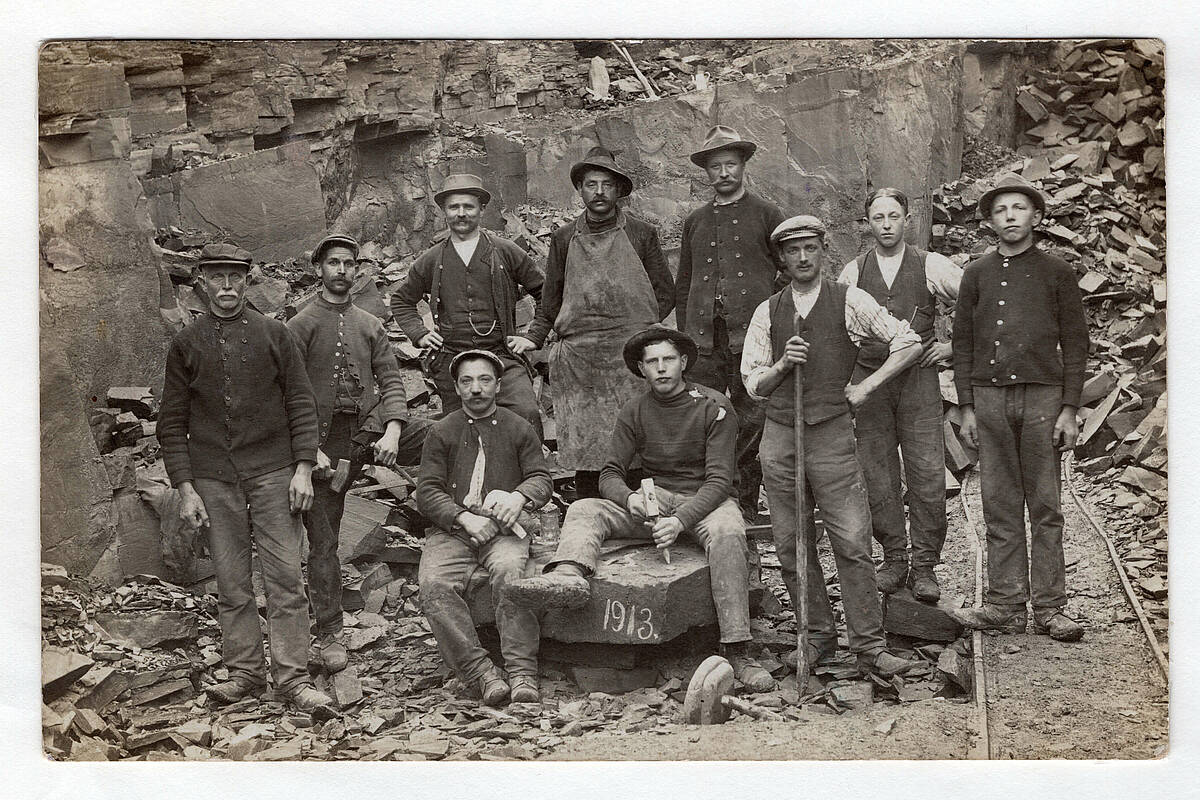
(907,412)
(816,325)
(473,279)
(726,268)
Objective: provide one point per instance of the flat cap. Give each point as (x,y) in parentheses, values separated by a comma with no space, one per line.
(334,240)
(224,253)
(797,227)
(487,355)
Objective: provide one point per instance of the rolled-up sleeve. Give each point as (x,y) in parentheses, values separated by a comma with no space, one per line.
(756,350)
(867,321)
(942,277)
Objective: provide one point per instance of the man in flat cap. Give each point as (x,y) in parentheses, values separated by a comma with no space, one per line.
(480,467)
(606,279)
(473,279)
(1020,350)
(238,428)
(906,412)
(726,268)
(817,326)
(362,414)
(681,435)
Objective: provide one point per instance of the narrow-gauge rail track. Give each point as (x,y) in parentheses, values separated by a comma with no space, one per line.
(982,747)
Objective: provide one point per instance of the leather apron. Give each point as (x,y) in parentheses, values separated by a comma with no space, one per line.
(607,297)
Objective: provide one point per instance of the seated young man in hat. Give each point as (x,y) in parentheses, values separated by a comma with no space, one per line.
(473,279)
(238,429)
(684,436)
(362,414)
(480,466)
(1020,351)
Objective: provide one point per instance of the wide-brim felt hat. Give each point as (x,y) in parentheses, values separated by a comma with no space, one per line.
(224,254)
(722,137)
(637,344)
(487,355)
(600,158)
(1011,182)
(463,183)
(335,240)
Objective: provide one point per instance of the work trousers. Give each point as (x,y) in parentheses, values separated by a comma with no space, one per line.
(1019,468)
(834,483)
(721,371)
(515,392)
(258,504)
(447,566)
(323,521)
(906,411)
(722,534)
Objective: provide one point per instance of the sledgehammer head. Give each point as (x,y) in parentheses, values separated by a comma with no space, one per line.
(712,681)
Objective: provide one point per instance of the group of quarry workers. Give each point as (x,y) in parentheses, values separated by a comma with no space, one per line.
(255,414)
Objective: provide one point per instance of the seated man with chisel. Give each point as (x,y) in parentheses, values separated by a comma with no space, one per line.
(684,436)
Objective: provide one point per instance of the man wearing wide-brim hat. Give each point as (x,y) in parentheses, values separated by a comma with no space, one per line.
(726,268)
(1020,351)
(238,428)
(681,435)
(817,326)
(606,279)
(473,279)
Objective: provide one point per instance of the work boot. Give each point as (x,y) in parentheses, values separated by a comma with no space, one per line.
(748,671)
(891,576)
(312,700)
(885,665)
(822,655)
(1056,624)
(924,585)
(234,689)
(525,689)
(557,589)
(989,616)
(333,652)
(492,687)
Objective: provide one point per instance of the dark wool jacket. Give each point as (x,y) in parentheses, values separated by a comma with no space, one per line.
(236,402)
(1019,320)
(325,329)
(514,463)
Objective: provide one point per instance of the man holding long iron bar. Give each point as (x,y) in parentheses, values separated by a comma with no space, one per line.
(683,434)
(816,326)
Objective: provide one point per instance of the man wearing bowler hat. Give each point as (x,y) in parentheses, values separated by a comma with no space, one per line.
(1020,350)
(726,268)
(606,279)
(817,326)
(362,414)
(473,280)
(238,428)
(682,436)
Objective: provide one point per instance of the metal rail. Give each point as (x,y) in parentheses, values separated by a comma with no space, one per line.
(1130,595)
(982,748)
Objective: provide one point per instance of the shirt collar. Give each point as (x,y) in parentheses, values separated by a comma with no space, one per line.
(813,293)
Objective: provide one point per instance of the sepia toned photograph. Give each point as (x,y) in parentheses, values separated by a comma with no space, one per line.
(602,399)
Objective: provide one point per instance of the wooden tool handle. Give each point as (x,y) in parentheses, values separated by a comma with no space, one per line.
(802,665)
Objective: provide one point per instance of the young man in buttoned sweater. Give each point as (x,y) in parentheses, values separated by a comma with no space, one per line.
(362,414)
(1020,351)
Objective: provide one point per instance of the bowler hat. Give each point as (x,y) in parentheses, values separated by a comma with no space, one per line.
(1010,182)
(600,158)
(722,137)
(334,240)
(797,227)
(224,254)
(486,355)
(657,333)
(463,183)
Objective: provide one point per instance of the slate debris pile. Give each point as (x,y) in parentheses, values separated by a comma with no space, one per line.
(1095,148)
